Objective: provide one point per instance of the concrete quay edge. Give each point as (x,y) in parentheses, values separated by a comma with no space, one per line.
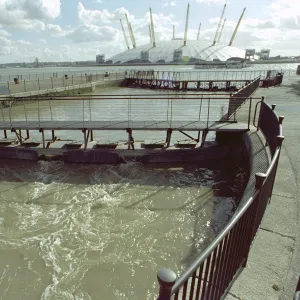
(274,260)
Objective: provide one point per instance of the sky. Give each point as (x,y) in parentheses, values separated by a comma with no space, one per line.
(71,30)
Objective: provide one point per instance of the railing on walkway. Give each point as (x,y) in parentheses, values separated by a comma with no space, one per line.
(151,107)
(211,275)
(42,74)
(273,78)
(201,81)
(22,85)
(238,99)
(32,75)
(196,75)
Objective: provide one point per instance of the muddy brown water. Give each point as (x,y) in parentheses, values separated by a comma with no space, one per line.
(102,232)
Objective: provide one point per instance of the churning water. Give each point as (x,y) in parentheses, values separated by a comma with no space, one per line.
(101,232)
(87,232)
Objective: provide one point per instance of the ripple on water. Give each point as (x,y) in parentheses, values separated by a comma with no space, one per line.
(101,232)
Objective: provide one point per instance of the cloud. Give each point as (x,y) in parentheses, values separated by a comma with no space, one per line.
(211,1)
(99,30)
(28,14)
(88,33)
(22,42)
(171,3)
(286,12)
(4,41)
(98,1)
(56,30)
(100,16)
(4,33)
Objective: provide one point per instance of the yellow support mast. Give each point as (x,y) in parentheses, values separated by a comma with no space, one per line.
(130,32)
(125,37)
(198,35)
(237,27)
(152,28)
(186,24)
(219,25)
(221,32)
(150,35)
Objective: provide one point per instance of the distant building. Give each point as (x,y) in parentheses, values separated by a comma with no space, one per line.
(100,59)
(264,54)
(250,53)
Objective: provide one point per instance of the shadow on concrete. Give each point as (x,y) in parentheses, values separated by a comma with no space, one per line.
(295,88)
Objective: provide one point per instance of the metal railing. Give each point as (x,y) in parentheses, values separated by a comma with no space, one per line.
(152,107)
(194,75)
(238,99)
(211,275)
(297,293)
(4,78)
(23,86)
(272,79)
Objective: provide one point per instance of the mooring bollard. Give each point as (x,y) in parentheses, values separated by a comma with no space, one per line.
(166,279)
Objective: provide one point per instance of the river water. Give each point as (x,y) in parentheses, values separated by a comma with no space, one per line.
(47,72)
(102,232)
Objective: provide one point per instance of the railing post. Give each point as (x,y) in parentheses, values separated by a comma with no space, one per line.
(279,140)
(280,119)
(208,113)
(39,117)
(273,106)
(260,112)
(10,104)
(249,116)
(166,279)
(25,110)
(259,180)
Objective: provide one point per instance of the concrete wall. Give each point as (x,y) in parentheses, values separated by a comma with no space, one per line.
(18,153)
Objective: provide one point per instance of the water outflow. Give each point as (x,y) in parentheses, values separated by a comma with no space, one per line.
(101,232)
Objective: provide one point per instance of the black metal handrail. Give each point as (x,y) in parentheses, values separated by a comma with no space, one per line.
(297,293)
(211,275)
(240,97)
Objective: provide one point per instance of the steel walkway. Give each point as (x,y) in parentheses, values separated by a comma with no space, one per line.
(124,125)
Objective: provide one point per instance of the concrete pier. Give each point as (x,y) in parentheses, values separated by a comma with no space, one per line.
(274,260)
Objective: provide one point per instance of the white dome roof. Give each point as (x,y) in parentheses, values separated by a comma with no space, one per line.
(194,49)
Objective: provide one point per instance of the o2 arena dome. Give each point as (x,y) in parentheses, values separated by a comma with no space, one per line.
(179,50)
(174,51)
